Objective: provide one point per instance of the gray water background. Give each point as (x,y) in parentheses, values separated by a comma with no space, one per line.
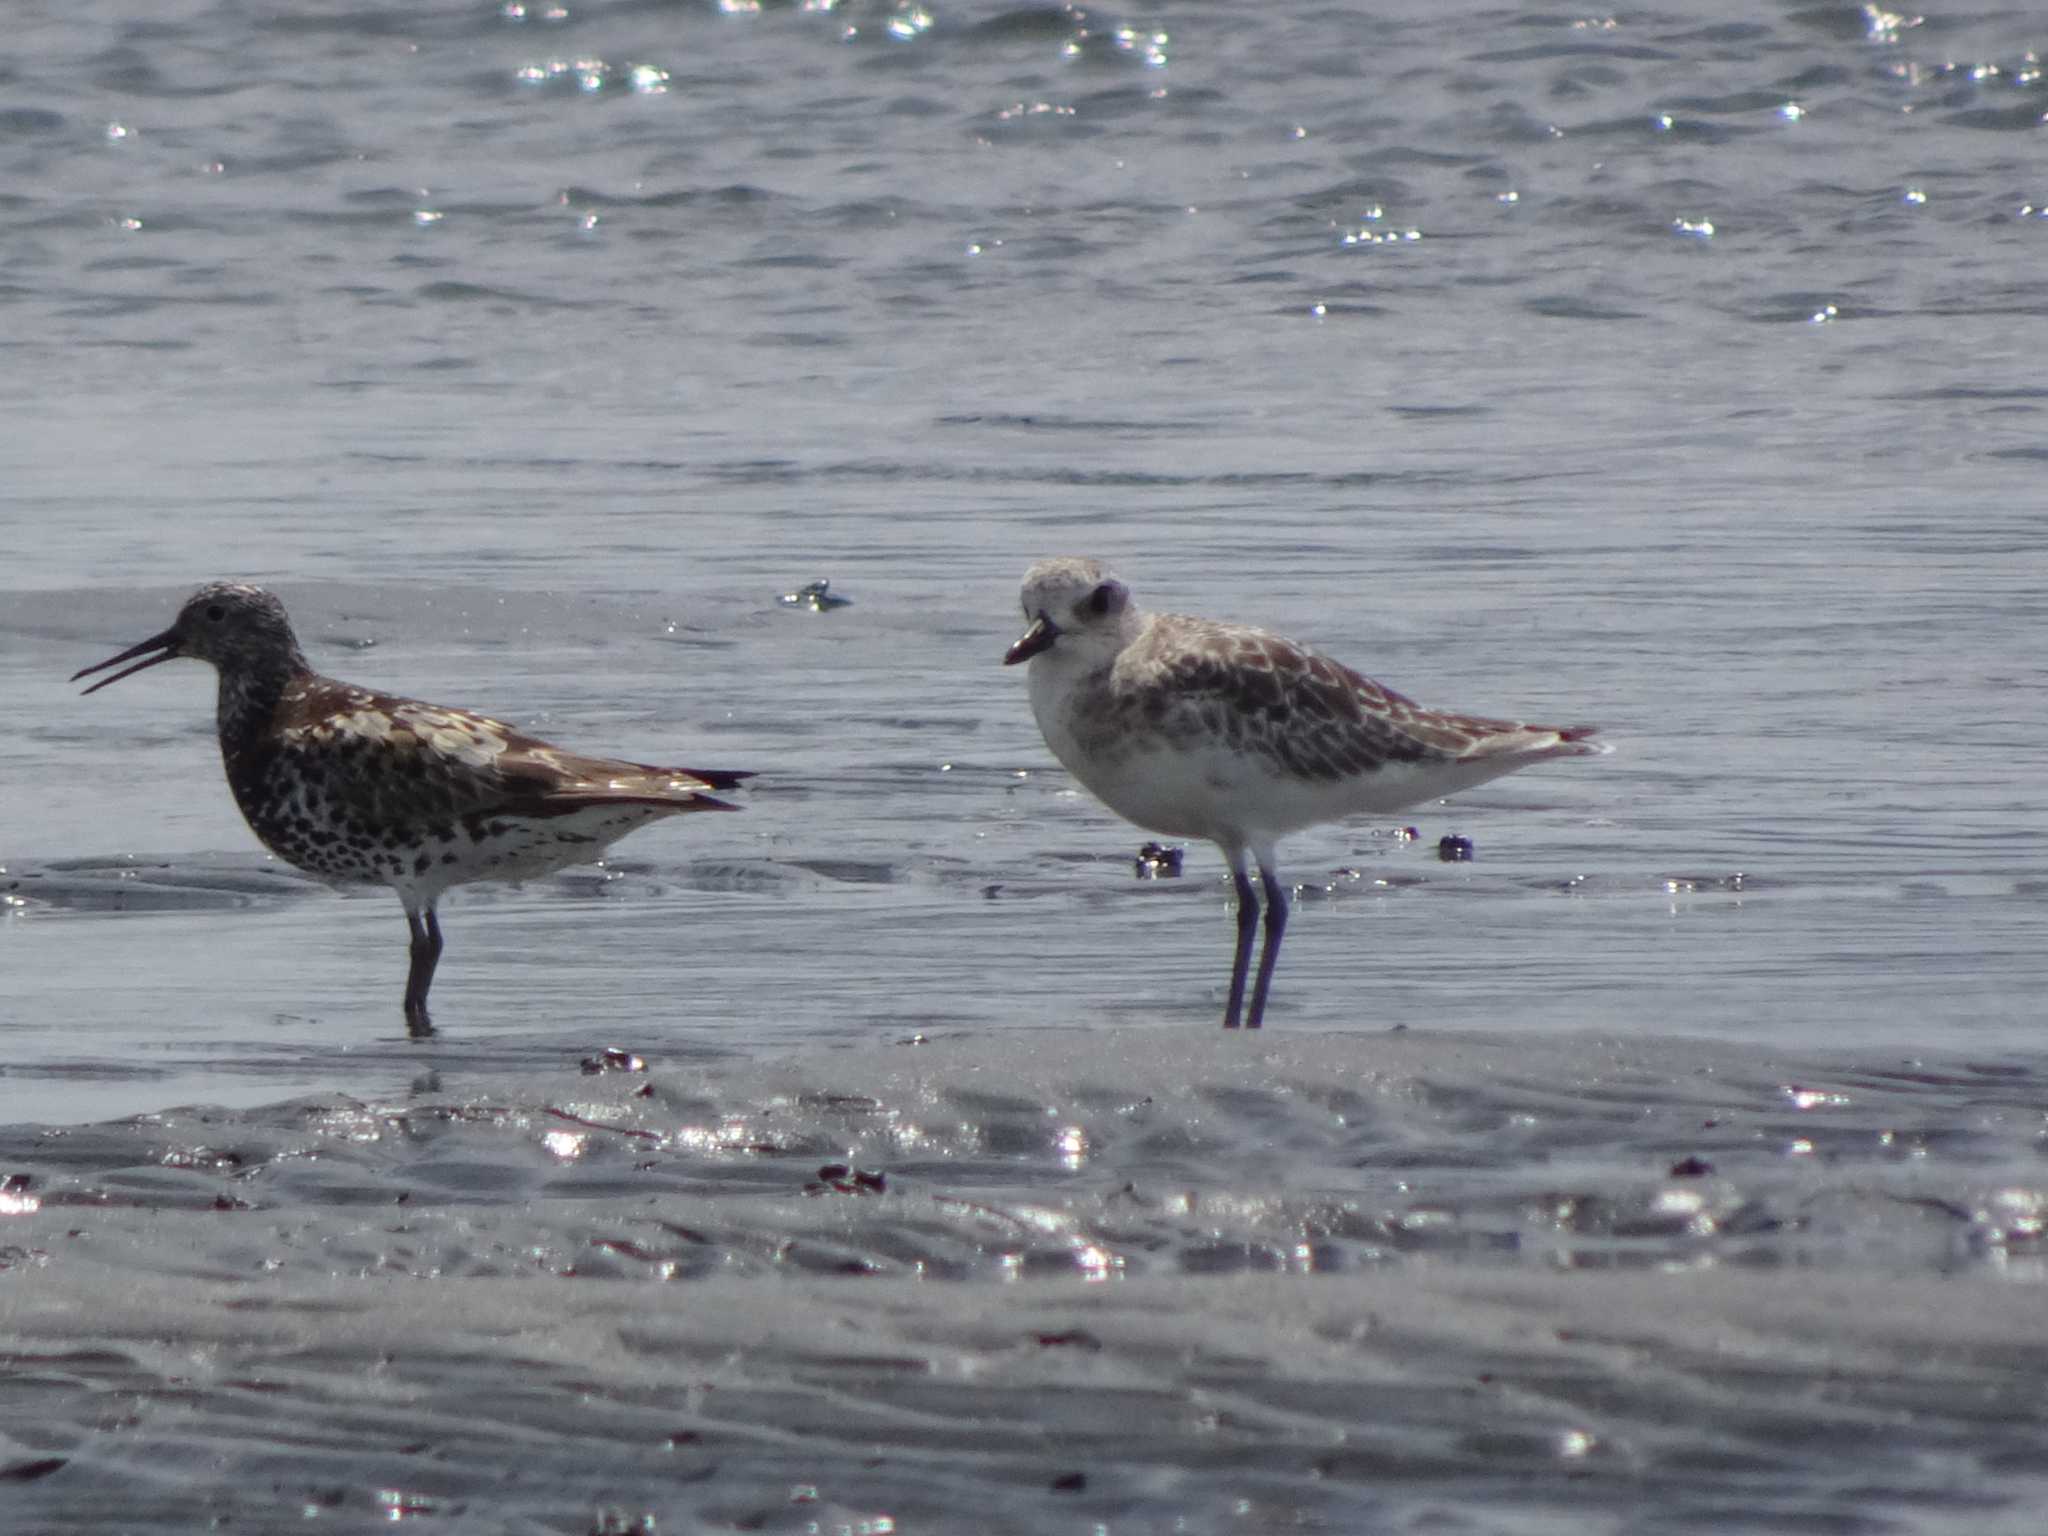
(1676,370)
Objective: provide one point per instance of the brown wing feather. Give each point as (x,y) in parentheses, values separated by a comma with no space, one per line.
(397,759)
(544,776)
(1316,717)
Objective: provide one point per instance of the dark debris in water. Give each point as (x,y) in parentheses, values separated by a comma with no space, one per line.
(1075,1338)
(1454,850)
(1156,861)
(844,1179)
(30,1470)
(815,597)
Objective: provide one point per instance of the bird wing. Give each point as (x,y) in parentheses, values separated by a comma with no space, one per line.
(1317,718)
(401,759)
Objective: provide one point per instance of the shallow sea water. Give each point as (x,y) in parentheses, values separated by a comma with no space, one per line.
(1675,1165)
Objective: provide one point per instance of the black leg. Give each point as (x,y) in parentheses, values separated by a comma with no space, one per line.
(1247,923)
(426,954)
(1276,924)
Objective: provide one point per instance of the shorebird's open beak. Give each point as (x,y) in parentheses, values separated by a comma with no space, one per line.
(1039,637)
(165,645)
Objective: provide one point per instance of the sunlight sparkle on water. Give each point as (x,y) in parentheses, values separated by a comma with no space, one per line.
(733,1135)
(1380,236)
(1149,46)
(1073,1144)
(910,23)
(2018,1214)
(399,1505)
(1688,1206)
(590,74)
(1815,1098)
(566,1145)
(1032,109)
(1883,26)
(1098,1264)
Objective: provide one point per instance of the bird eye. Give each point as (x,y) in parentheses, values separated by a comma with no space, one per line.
(1100,599)
(215,613)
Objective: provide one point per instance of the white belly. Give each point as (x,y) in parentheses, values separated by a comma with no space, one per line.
(513,849)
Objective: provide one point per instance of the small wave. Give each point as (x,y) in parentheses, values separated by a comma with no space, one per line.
(192,883)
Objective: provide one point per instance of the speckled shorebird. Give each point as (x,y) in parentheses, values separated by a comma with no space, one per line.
(1199,729)
(352,785)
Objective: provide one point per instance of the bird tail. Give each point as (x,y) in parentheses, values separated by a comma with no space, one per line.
(679,788)
(1577,741)
(717,778)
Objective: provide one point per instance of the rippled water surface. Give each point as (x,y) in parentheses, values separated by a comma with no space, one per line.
(1674,1165)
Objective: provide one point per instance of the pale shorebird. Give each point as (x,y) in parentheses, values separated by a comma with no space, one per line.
(1193,728)
(352,785)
